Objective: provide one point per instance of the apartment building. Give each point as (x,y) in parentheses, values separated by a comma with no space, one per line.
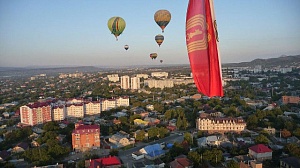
(92,107)
(145,76)
(160,74)
(59,113)
(75,110)
(85,137)
(113,78)
(135,83)
(125,82)
(107,104)
(220,125)
(152,83)
(35,113)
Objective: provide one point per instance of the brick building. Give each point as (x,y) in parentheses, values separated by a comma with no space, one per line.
(85,137)
(35,113)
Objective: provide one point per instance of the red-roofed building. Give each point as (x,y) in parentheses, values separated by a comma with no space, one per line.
(85,137)
(36,113)
(260,152)
(109,162)
(181,162)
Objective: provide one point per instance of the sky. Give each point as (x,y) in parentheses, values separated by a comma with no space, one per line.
(75,32)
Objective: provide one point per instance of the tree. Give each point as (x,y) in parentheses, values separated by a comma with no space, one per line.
(297,132)
(232,164)
(188,137)
(153,132)
(261,139)
(195,157)
(140,136)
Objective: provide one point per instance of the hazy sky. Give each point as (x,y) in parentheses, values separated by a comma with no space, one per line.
(75,32)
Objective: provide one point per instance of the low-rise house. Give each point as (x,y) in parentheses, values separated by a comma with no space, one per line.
(260,152)
(140,123)
(181,162)
(109,162)
(270,130)
(4,155)
(119,141)
(20,147)
(290,162)
(245,161)
(152,152)
(137,155)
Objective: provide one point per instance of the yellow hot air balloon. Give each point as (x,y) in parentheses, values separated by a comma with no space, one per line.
(116,25)
(162,18)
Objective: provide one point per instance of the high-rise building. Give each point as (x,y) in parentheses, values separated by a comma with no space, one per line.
(135,83)
(85,137)
(35,113)
(125,83)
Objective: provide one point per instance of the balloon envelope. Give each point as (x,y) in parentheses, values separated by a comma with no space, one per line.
(162,18)
(153,55)
(116,25)
(159,39)
(126,47)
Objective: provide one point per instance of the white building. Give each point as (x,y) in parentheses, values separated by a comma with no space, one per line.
(92,108)
(159,83)
(159,74)
(75,110)
(221,125)
(113,77)
(59,113)
(108,104)
(135,83)
(125,83)
(145,76)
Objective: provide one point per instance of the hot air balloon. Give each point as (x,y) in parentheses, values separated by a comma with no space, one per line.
(161,61)
(159,39)
(153,55)
(162,18)
(116,25)
(126,47)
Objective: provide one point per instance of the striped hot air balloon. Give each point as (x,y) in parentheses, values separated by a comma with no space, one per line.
(162,18)
(159,39)
(153,55)
(116,25)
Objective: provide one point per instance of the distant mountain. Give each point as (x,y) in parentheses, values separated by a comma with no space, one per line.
(282,61)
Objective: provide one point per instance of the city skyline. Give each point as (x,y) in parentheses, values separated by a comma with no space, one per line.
(53,33)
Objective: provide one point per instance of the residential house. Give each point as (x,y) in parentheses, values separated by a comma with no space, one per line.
(290,162)
(20,147)
(108,162)
(140,123)
(4,155)
(152,152)
(85,137)
(260,152)
(181,162)
(245,161)
(119,140)
(270,130)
